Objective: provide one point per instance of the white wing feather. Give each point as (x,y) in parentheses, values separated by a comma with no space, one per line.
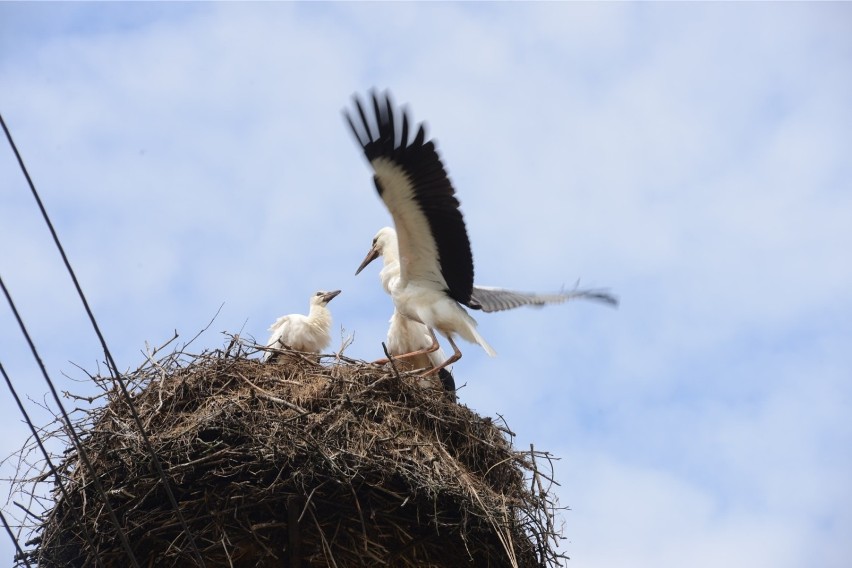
(498,299)
(418,253)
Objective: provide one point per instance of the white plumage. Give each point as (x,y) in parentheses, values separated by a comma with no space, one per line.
(433,275)
(309,333)
(410,343)
(405,336)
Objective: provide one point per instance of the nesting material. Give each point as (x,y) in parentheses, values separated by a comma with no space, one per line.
(300,462)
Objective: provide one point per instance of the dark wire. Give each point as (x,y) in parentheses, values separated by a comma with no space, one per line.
(53,469)
(81,451)
(21,554)
(110,361)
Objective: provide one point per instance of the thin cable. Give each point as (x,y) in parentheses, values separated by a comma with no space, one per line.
(113,368)
(110,363)
(14,540)
(81,451)
(53,470)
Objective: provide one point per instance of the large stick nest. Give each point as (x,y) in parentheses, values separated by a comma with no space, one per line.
(340,463)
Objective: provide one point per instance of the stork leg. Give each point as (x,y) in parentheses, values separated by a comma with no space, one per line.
(450,360)
(431,349)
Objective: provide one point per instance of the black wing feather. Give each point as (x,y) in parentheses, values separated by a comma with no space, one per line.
(433,192)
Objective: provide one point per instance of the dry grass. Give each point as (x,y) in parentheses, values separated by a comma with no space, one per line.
(338,462)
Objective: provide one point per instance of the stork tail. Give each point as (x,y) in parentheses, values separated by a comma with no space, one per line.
(481,341)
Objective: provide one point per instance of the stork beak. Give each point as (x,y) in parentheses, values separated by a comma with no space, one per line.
(371,256)
(329,296)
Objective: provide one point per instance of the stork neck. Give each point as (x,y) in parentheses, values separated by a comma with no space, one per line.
(319,313)
(389,276)
(391,271)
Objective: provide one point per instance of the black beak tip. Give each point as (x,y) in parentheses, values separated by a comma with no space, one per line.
(331,295)
(371,256)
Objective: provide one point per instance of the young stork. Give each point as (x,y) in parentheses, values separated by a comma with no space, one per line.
(310,333)
(435,262)
(411,341)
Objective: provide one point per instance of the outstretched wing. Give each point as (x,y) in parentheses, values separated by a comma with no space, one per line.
(412,182)
(499,299)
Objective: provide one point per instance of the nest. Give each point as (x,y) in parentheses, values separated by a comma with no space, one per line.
(299,462)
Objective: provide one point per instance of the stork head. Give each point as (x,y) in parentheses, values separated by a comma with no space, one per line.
(322,298)
(383,242)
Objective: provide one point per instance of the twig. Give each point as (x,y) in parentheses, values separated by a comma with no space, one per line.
(274,398)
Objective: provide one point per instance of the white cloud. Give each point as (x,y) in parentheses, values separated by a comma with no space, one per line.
(629,515)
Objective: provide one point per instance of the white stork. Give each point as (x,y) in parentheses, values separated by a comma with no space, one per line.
(433,277)
(406,336)
(310,333)
(436,265)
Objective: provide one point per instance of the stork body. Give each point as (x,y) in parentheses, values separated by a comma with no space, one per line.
(309,333)
(429,306)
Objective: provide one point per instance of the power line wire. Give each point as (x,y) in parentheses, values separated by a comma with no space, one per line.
(81,451)
(113,369)
(53,470)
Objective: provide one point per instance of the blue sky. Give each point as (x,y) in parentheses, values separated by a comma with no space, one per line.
(692,157)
